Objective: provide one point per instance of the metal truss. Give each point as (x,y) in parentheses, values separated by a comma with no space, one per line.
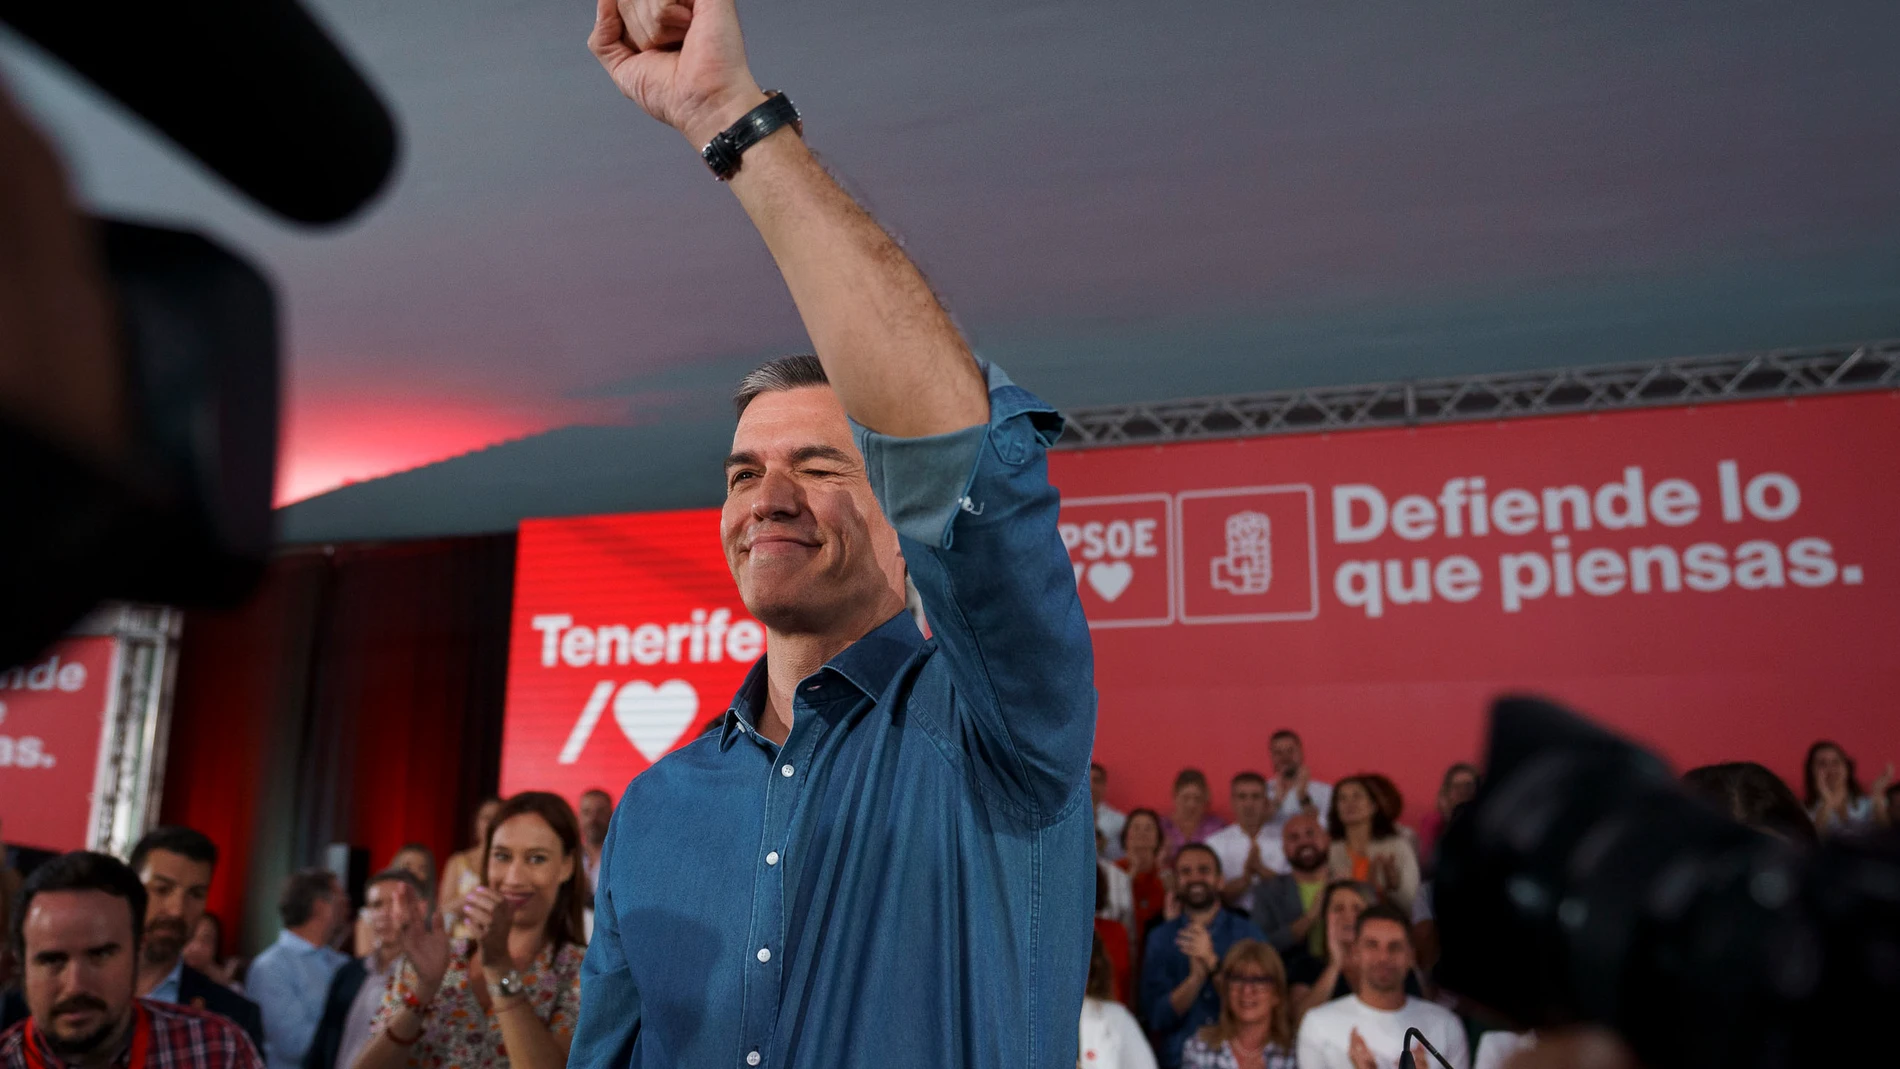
(1683,381)
(130,777)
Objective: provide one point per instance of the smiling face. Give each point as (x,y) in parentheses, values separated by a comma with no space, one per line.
(1305,842)
(1354,803)
(804,536)
(1252,993)
(1197,878)
(527,866)
(80,969)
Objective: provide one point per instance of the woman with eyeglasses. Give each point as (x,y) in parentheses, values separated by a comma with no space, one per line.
(1254,1031)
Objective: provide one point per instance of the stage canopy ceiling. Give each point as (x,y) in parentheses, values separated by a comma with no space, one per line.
(1119,201)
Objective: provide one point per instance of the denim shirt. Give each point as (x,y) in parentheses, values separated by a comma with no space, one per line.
(1163,967)
(910,878)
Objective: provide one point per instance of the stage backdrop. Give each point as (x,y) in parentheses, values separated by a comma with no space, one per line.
(52,714)
(1716,581)
(628,637)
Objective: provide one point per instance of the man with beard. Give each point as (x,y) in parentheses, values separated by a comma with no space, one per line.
(1286,907)
(1366,1029)
(176,864)
(597,814)
(1183,955)
(77,934)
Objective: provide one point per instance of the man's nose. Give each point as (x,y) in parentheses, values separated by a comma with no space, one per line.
(778,496)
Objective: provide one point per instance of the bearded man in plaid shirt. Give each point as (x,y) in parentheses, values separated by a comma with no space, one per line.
(76,933)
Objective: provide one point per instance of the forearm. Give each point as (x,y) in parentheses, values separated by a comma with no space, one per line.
(1184,993)
(531,1045)
(891,352)
(382,1052)
(1322,989)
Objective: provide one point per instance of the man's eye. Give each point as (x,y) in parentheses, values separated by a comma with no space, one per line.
(740,476)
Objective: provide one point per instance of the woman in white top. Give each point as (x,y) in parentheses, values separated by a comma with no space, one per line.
(1835,799)
(1110,1037)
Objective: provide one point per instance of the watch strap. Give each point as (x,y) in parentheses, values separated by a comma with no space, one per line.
(723,152)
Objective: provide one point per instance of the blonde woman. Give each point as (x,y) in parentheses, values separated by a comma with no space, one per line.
(1255,1029)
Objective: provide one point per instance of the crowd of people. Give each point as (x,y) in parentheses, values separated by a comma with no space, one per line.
(1302,933)
(482,975)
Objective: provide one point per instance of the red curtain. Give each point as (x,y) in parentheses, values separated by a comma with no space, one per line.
(357,698)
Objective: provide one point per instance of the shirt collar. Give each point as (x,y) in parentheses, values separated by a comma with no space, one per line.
(295,943)
(869,665)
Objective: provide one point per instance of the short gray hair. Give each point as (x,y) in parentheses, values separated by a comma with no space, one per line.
(773,376)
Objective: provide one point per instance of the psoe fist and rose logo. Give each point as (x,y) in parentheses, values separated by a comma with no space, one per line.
(1236,555)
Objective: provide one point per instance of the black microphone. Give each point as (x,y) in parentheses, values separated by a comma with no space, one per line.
(1406,1061)
(253,88)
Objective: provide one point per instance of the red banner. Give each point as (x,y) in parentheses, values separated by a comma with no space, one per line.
(628,637)
(1707,579)
(52,713)
(1711,580)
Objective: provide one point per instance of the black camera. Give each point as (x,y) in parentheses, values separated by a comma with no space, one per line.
(1582,885)
(258,93)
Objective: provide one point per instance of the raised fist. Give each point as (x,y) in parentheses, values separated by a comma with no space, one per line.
(682,61)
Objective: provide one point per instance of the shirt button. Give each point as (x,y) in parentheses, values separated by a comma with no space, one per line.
(765,954)
(772,858)
(752,1058)
(785,770)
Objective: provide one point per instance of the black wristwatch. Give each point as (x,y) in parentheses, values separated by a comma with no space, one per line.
(723,151)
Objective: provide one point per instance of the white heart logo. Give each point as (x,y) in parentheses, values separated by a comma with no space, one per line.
(654,718)
(1111,578)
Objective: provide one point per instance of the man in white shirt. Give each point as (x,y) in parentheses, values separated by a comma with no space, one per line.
(1249,849)
(1366,1030)
(1293,789)
(1109,821)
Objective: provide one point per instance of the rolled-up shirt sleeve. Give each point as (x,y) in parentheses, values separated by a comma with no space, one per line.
(976,515)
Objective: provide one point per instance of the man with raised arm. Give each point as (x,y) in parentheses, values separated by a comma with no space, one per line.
(882,854)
